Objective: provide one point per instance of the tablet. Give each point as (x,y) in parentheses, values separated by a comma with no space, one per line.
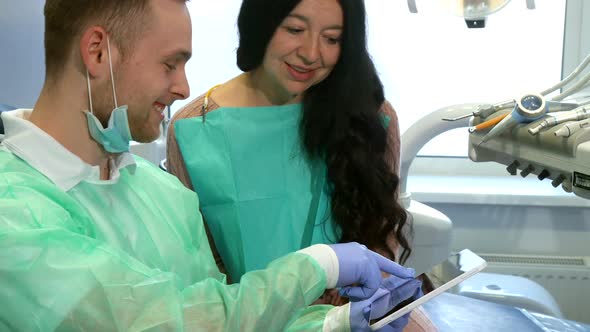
(444,275)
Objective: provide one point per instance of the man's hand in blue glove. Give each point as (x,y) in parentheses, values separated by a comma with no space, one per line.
(392,291)
(359,265)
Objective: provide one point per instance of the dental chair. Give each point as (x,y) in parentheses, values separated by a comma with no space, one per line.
(487,301)
(456,313)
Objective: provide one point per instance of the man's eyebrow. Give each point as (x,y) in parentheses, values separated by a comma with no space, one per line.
(306,20)
(184,55)
(179,56)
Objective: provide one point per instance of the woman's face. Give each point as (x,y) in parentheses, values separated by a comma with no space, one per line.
(305,47)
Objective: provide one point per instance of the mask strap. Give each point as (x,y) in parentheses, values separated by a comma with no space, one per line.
(89,91)
(111,68)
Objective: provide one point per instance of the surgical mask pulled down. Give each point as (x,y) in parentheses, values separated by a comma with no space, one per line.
(116,136)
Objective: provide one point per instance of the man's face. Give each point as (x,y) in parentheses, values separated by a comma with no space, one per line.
(153,74)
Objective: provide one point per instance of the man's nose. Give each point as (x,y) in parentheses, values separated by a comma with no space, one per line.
(180,88)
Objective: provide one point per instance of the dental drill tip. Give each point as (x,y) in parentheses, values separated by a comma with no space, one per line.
(458,118)
(533,131)
(471,129)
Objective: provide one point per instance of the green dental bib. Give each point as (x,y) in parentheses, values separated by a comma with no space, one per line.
(260,195)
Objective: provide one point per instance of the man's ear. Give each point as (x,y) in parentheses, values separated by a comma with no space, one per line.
(94,51)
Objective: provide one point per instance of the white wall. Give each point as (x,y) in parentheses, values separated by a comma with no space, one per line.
(215,41)
(523,230)
(22,65)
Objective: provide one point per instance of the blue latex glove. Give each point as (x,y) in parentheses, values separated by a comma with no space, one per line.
(397,325)
(393,290)
(359,265)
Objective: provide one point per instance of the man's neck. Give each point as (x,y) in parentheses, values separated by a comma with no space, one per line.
(59,112)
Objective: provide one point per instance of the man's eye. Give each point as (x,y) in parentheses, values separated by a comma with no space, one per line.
(169,66)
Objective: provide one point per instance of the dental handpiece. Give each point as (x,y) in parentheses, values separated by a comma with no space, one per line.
(558,106)
(489,123)
(559,118)
(485,110)
(528,108)
(570,128)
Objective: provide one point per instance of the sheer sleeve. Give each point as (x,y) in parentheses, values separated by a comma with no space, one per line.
(174,160)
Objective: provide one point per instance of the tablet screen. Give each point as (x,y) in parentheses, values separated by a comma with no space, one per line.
(445,275)
(454,266)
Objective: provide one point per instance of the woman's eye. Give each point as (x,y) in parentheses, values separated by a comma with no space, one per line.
(333,41)
(293,31)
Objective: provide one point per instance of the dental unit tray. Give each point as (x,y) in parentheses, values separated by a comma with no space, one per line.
(538,146)
(563,161)
(538,134)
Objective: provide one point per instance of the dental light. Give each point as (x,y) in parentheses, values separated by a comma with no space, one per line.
(474,11)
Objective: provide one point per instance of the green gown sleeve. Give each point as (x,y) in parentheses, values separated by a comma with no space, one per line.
(312,319)
(54,275)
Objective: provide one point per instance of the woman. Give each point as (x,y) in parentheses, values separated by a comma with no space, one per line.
(302,147)
(305,63)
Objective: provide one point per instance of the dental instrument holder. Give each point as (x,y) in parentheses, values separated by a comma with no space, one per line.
(564,161)
(580,114)
(528,108)
(432,229)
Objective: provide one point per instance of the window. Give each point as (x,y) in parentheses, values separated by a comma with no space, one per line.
(431,59)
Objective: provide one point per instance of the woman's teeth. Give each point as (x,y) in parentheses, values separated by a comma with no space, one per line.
(300,70)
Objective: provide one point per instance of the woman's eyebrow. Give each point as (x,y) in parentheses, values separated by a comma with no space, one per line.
(306,20)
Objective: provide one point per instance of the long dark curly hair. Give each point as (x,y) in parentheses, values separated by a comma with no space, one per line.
(341,124)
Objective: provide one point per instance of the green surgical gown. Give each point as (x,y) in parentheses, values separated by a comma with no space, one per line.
(132,256)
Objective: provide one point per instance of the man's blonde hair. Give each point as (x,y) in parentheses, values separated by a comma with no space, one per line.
(65,20)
